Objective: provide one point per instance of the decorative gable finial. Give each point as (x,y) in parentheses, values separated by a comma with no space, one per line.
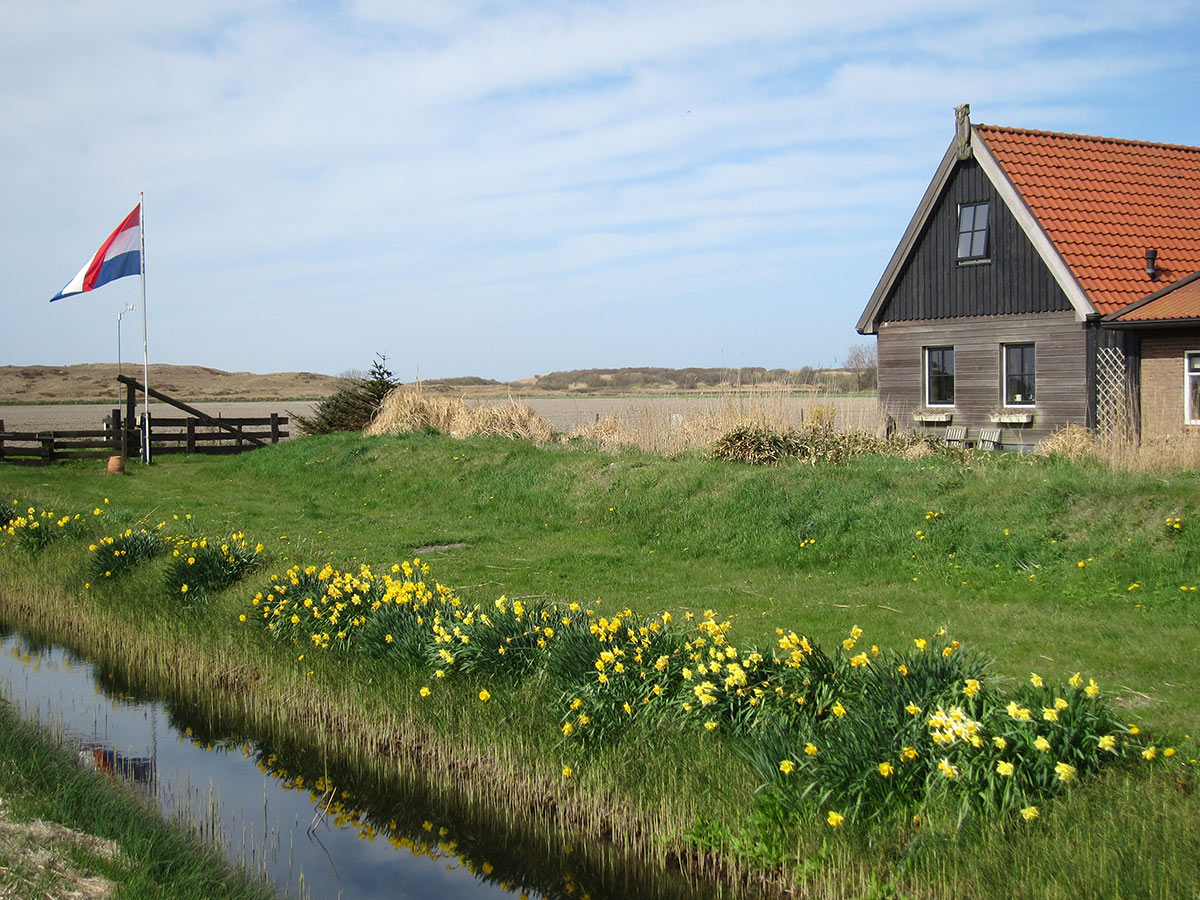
(962,130)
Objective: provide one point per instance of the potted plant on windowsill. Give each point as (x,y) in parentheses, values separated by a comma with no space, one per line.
(933,416)
(1010,416)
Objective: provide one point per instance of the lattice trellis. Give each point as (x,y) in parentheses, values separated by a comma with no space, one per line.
(1114,412)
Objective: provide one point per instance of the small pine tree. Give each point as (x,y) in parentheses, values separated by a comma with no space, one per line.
(353,407)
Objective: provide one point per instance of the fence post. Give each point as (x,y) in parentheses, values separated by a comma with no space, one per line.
(47,447)
(274,428)
(191,435)
(130,417)
(1,440)
(118,433)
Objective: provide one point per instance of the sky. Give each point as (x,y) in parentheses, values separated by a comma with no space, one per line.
(509,189)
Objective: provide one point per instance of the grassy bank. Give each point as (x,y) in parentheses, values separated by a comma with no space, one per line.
(1048,567)
(65,831)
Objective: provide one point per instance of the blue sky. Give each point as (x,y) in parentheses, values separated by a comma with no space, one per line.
(507,189)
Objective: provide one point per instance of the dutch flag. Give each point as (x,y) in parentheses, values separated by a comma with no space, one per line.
(117,257)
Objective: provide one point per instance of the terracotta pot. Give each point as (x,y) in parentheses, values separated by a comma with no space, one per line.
(116,465)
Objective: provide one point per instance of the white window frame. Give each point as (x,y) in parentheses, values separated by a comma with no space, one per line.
(925,377)
(1190,416)
(1004,374)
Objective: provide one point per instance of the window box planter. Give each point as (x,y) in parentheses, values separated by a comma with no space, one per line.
(1011,418)
(932,416)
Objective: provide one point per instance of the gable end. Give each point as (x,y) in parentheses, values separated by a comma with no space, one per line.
(934,284)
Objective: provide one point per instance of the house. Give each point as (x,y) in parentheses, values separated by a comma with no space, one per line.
(1046,279)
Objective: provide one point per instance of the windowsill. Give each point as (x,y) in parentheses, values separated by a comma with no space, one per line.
(975,262)
(1012,417)
(933,415)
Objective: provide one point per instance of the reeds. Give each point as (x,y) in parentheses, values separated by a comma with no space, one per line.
(1162,453)
(406,410)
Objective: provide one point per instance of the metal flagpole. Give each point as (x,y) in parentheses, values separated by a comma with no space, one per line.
(145,345)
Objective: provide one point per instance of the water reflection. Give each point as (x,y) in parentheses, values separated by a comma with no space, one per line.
(315,825)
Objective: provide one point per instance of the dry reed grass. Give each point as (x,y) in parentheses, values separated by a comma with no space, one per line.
(670,433)
(406,410)
(1162,453)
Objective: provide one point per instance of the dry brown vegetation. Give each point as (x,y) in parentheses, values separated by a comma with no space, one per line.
(1168,453)
(406,410)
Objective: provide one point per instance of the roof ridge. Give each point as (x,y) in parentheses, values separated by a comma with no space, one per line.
(1086,137)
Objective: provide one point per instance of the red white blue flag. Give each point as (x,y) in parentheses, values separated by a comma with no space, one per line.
(117,257)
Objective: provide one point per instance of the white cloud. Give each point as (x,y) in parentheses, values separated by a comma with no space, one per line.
(529,163)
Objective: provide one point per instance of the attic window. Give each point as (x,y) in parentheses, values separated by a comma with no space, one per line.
(973,231)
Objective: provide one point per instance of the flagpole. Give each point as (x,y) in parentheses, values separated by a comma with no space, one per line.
(145,344)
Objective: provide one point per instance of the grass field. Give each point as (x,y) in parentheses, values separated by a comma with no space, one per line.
(1044,565)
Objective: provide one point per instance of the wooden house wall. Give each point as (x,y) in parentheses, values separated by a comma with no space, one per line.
(1060,344)
(934,285)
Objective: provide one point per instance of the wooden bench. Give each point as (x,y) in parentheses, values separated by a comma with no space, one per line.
(956,436)
(989,439)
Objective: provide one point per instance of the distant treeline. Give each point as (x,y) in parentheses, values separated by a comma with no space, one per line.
(694,378)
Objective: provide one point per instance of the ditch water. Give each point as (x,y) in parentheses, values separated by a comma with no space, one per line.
(311,825)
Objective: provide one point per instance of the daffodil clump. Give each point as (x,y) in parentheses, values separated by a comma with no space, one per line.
(113,555)
(861,732)
(33,530)
(199,567)
(924,725)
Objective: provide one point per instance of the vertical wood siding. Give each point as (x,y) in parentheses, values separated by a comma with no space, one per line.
(1060,347)
(933,285)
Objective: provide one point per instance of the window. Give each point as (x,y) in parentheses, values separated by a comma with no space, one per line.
(973,231)
(939,376)
(1018,374)
(1191,387)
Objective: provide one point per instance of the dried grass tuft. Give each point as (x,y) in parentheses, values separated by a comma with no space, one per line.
(1073,442)
(405,410)
(608,433)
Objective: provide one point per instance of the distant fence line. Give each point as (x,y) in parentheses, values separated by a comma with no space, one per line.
(122,436)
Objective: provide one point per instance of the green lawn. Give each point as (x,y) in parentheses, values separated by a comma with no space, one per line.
(1045,566)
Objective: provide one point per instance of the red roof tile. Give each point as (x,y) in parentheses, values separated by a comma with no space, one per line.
(1182,302)
(1104,202)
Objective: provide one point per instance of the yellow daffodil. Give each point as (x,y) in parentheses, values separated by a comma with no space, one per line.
(1004,768)
(885,769)
(1029,813)
(834,818)
(787,766)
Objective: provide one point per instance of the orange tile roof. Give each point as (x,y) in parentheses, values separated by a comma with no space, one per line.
(1182,302)
(1104,202)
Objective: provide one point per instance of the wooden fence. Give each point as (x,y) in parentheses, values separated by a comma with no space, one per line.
(45,447)
(122,435)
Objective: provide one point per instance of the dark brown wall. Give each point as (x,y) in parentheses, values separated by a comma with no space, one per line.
(933,285)
(1061,350)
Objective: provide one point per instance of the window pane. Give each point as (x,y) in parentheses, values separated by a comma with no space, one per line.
(940,366)
(1193,362)
(1194,398)
(1019,374)
(979,243)
(966,218)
